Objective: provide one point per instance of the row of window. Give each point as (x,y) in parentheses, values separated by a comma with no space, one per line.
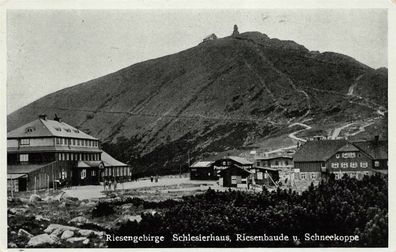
(76,142)
(117,171)
(276,163)
(349,165)
(78,156)
(306,175)
(347,155)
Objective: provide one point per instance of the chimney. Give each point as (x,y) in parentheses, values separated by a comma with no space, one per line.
(43,116)
(58,119)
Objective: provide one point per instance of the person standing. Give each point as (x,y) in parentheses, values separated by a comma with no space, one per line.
(115,184)
(151,178)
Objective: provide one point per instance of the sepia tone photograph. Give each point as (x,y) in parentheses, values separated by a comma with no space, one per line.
(197,128)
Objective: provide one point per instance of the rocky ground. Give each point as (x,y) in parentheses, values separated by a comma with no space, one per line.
(58,219)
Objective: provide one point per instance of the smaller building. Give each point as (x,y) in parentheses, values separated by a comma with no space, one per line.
(203,170)
(210,37)
(114,169)
(318,159)
(228,161)
(89,172)
(236,176)
(277,167)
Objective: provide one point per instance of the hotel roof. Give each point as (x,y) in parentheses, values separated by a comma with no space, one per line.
(48,128)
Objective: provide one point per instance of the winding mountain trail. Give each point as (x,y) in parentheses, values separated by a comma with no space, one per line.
(362,128)
(293,134)
(336,131)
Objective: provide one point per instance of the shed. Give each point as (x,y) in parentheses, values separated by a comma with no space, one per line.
(203,170)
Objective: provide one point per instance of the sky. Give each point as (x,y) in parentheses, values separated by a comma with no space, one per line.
(48,50)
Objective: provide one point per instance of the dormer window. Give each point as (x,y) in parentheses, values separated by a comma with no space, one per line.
(76,131)
(58,129)
(68,130)
(30,130)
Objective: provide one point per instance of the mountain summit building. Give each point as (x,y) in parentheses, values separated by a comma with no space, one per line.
(44,152)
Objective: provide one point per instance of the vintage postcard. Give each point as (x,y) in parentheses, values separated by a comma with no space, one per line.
(197,127)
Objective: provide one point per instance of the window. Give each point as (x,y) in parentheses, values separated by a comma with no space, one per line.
(224,163)
(59,156)
(30,130)
(57,140)
(337,175)
(25,141)
(286,162)
(363,164)
(67,156)
(337,155)
(334,165)
(24,157)
(244,181)
(349,155)
(353,164)
(276,163)
(302,175)
(344,165)
(353,175)
(313,175)
(64,174)
(93,173)
(63,156)
(233,180)
(83,174)
(376,163)
(259,175)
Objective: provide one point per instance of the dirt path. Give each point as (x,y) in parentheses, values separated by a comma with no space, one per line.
(352,87)
(293,135)
(336,131)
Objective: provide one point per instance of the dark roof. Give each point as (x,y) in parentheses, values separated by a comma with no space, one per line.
(376,149)
(24,168)
(48,128)
(233,166)
(240,160)
(322,150)
(319,150)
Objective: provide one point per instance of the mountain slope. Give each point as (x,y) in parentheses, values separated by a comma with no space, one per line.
(222,94)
